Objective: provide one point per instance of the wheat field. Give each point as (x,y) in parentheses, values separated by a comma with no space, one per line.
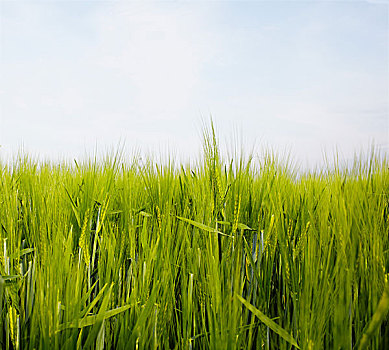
(223,254)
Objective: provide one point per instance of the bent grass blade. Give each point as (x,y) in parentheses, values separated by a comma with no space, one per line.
(269,323)
(377,319)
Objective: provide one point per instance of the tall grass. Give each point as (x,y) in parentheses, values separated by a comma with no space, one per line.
(225,254)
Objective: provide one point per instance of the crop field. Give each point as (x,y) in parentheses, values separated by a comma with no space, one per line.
(223,254)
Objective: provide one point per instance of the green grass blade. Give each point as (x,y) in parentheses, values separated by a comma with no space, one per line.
(269,323)
(377,319)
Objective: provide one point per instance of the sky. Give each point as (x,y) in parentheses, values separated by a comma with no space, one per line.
(305,77)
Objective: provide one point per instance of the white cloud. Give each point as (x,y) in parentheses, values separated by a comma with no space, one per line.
(159,52)
(79,74)
(135,80)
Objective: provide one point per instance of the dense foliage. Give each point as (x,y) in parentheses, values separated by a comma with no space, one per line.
(238,254)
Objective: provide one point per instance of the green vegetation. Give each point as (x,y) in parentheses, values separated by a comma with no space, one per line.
(237,254)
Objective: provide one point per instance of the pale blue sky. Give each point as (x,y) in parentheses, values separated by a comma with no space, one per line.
(304,76)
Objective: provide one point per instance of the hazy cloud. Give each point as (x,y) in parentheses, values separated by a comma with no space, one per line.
(303,76)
